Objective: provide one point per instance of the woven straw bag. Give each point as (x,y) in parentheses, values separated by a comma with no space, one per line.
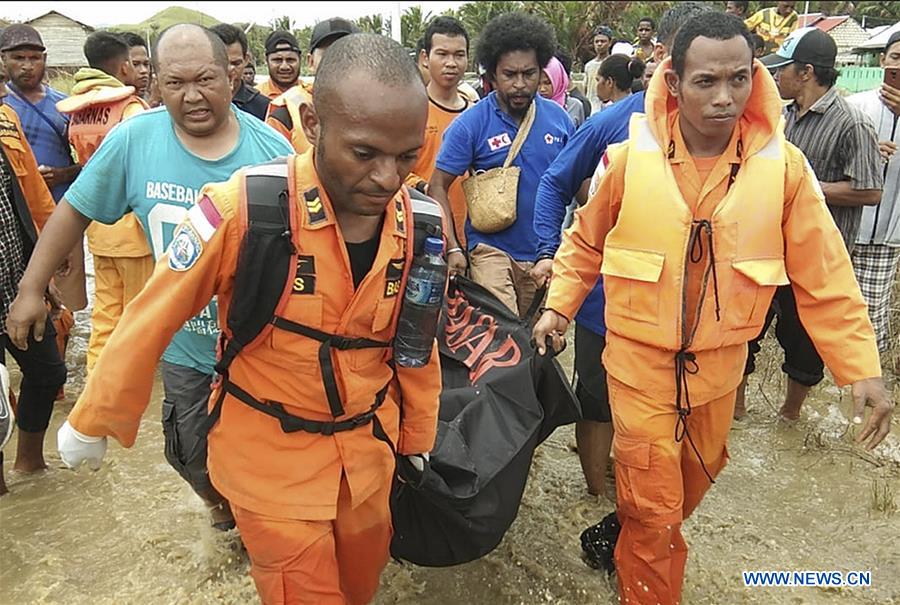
(491,195)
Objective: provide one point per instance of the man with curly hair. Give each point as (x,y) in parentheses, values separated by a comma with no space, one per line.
(513,48)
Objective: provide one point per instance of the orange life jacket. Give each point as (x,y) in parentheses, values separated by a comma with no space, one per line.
(284,115)
(92,115)
(645,261)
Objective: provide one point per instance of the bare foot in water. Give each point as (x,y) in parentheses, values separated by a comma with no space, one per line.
(789,412)
(30,452)
(222,519)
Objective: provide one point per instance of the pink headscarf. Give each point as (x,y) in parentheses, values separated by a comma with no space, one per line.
(559,80)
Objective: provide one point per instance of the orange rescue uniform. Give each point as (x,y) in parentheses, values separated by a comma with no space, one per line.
(685,291)
(269,89)
(294,494)
(439,119)
(284,115)
(122,258)
(21,160)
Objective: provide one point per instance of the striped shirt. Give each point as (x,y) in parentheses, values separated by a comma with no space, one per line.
(840,144)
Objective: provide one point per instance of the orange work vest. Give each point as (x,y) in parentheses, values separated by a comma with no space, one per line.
(92,115)
(289,125)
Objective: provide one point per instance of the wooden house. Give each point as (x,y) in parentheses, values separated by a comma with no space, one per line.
(64,38)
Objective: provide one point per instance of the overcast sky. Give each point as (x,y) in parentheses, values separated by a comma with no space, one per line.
(100,14)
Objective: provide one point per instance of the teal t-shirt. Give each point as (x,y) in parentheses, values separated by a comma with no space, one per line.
(142,167)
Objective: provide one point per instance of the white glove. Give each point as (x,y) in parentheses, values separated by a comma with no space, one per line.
(418,461)
(74,448)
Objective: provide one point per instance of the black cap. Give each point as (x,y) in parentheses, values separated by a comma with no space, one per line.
(895,37)
(604,31)
(20,35)
(281,40)
(329,31)
(808,45)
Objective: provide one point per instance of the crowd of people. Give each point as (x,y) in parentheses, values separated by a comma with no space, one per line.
(254,242)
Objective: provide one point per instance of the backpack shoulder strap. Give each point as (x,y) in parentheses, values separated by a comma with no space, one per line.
(264,272)
(427,219)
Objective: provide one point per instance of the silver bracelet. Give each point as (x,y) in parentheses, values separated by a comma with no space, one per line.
(452,250)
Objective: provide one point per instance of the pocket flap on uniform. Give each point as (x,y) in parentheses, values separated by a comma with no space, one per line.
(632,452)
(763,271)
(640,265)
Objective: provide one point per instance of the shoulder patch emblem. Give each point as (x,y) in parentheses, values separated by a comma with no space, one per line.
(400,218)
(394,277)
(8,129)
(305,277)
(185,248)
(315,210)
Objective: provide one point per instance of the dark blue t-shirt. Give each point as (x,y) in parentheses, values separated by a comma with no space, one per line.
(480,138)
(577,162)
(50,143)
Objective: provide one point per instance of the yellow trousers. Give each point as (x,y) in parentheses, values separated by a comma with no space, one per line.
(116,282)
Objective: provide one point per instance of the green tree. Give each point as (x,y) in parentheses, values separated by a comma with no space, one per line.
(374,24)
(475,15)
(413,23)
(575,22)
(283,23)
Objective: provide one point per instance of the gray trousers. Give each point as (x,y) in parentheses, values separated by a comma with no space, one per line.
(184,410)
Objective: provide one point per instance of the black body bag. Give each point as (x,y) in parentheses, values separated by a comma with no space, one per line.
(500,399)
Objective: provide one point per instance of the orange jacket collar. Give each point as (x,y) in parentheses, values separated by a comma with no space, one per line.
(319,211)
(760,121)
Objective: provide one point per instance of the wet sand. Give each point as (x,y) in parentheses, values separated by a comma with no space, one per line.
(795,496)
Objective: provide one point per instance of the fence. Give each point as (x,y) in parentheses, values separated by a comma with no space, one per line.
(859,79)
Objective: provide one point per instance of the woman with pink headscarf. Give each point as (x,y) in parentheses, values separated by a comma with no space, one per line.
(554,84)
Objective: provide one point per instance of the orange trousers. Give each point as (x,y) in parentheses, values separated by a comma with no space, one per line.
(296,562)
(659,483)
(116,282)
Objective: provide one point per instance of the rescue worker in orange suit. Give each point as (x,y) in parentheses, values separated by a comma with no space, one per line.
(693,222)
(25,206)
(104,95)
(284,110)
(312,508)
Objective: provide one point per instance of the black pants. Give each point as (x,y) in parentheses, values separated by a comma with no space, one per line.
(183,413)
(43,373)
(801,360)
(591,388)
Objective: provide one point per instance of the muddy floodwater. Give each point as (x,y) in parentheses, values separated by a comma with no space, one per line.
(795,496)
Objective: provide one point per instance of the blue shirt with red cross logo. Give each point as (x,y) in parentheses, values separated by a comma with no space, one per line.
(480,138)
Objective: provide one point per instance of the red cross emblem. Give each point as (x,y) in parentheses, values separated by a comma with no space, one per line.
(499,141)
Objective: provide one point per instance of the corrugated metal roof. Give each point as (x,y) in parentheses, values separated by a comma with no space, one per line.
(820,21)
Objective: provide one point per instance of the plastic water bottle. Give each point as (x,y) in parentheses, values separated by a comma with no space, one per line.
(417,324)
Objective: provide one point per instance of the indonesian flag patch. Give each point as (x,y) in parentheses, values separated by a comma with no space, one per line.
(204,218)
(598,174)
